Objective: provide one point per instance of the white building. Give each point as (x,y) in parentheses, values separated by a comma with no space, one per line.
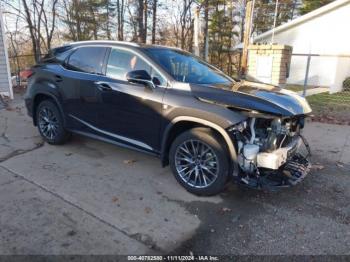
(323,33)
(5,78)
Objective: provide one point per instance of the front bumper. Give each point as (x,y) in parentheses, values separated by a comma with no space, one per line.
(292,172)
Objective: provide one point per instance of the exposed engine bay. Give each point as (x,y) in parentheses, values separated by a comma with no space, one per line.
(271,151)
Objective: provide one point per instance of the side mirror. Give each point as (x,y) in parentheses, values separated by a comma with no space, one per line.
(140,77)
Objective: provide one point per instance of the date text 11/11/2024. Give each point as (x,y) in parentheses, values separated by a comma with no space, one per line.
(173,258)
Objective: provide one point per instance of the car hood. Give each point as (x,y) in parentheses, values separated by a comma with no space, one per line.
(260,97)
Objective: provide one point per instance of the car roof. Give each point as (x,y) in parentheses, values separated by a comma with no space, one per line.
(117,43)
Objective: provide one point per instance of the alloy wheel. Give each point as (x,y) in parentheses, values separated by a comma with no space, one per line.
(196,163)
(48,123)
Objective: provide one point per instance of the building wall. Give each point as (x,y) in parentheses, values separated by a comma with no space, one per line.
(327,34)
(5,85)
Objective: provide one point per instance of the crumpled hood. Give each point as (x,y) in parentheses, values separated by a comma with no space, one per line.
(254,96)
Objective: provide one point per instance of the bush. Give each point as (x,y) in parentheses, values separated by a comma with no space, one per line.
(346,84)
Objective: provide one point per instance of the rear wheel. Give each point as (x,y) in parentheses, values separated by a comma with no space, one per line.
(199,161)
(50,123)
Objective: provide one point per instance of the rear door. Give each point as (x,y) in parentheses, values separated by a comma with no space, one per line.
(83,69)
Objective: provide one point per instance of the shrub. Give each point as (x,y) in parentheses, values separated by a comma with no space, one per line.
(346,84)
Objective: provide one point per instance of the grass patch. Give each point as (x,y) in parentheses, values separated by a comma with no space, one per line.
(337,100)
(297,88)
(331,108)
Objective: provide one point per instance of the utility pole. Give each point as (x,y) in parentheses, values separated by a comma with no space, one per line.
(246,39)
(274,23)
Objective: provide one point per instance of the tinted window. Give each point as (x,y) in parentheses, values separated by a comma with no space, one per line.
(87,59)
(58,54)
(121,62)
(186,68)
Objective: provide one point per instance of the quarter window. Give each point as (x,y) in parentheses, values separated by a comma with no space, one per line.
(87,59)
(121,62)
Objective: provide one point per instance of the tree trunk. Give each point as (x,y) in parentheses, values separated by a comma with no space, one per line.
(120,18)
(140,21)
(36,48)
(206,30)
(108,31)
(154,22)
(183,24)
(145,9)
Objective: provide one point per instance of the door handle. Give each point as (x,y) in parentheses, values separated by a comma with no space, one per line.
(58,78)
(103,86)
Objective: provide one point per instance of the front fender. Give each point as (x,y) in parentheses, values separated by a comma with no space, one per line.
(182,108)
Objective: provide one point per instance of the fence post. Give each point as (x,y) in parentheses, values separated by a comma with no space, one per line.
(307,73)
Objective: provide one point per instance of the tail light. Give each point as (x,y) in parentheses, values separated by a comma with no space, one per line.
(25,74)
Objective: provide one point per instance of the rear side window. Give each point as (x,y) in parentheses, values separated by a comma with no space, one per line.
(87,59)
(57,55)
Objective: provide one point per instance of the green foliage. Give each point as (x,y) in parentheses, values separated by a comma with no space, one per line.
(89,19)
(221,33)
(264,11)
(310,5)
(346,85)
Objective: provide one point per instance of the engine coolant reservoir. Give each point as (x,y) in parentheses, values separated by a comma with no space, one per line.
(250,152)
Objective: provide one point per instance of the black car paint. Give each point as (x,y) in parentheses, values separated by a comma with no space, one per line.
(110,109)
(266,98)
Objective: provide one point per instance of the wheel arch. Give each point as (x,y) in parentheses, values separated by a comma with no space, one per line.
(39,97)
(183,123)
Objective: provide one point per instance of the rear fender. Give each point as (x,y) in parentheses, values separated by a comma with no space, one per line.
(51,93)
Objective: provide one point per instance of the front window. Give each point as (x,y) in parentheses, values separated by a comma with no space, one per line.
(184,67)
(121,62)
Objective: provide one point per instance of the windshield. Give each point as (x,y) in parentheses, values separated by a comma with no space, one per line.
(184,67)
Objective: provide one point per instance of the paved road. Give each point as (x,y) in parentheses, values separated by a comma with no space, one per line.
(89,197)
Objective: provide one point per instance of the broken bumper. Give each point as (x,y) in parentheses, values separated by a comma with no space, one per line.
(293,171)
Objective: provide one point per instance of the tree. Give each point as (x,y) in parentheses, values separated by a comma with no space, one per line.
(40,19)
(221,34)
(110,15)
(140,22)
(154,20)
(310,5)
(120,17)
(264,12)
(206,29)
(76,18)
(87,19)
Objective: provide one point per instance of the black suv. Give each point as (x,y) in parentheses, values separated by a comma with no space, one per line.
(164,101)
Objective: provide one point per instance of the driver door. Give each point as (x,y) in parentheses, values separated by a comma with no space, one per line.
(130,113)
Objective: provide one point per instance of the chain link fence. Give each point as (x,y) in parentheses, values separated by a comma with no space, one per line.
(18,65)
(325,82)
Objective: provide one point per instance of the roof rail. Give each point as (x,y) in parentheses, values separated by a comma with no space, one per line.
(103,42)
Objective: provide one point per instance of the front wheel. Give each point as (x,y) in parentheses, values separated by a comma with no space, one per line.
(199,161)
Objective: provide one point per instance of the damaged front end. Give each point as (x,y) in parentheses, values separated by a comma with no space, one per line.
(271,152)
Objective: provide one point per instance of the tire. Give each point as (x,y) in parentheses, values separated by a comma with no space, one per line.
(209,162)
(50,123)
